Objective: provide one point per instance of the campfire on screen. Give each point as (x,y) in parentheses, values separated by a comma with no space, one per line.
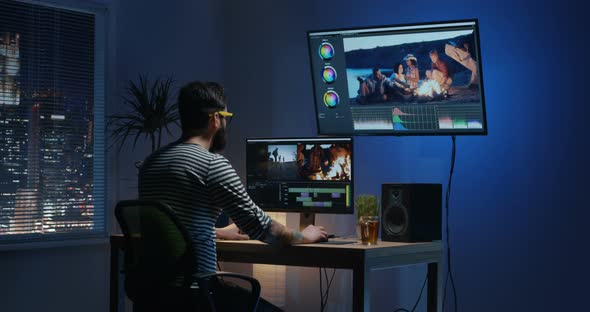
(340,169)
(339,165)
(428,88)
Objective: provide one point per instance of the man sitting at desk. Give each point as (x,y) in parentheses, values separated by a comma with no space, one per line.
(198,183)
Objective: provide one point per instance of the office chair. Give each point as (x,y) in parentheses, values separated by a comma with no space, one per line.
(160,266)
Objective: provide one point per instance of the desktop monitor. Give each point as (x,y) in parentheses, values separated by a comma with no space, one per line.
(305,175)
(420,79)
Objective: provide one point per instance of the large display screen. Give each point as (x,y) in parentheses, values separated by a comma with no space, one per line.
(422,79)
(300,174)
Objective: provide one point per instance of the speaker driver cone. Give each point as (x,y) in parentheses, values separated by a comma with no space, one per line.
(396,220)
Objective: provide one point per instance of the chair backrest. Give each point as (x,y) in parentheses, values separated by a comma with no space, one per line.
(158,252)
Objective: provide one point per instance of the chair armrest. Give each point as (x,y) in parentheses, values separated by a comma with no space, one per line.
(247,278)
(203,282)
(253,282)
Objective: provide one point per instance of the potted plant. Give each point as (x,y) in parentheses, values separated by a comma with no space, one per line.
(148,112)
(367,207)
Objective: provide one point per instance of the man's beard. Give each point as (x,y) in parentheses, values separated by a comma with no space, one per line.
(219,141)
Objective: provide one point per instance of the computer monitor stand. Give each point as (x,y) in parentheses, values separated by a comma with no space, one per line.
(306,219)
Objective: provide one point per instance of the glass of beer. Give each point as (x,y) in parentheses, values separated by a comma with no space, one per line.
(369,226)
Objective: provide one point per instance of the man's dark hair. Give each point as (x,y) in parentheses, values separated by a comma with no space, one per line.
(375,70)
(196,100)
(433,52)
(413,62)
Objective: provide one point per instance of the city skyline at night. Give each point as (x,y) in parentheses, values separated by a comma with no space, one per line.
(46,121)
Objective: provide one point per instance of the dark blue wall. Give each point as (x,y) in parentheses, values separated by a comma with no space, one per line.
(518,216)
(178,39)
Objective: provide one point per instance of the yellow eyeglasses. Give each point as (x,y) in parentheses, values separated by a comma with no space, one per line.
(227,115)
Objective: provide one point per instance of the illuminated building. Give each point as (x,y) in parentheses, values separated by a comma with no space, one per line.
(9,68)
(13,128)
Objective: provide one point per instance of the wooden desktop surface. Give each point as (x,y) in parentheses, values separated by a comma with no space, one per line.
(361,259)
(329,255)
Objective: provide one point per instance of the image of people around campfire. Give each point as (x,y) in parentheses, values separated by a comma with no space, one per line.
(372,89)
(398,84)
(301,162)
(330,162)
(412,68)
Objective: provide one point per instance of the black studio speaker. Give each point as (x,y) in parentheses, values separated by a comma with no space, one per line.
(411,212)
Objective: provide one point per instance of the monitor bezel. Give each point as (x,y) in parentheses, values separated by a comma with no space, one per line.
(484,130)
(348,210)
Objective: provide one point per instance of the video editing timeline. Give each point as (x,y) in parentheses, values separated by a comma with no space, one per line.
(406,79)
(417,117)
(324,196)
(296,197)
(300,175)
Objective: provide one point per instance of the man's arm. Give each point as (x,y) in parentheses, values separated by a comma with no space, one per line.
(229,194)
(444,69)
(370,85)
(286,236)
(230,232)
(416,75)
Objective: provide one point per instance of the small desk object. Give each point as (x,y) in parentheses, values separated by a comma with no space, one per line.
(361,259)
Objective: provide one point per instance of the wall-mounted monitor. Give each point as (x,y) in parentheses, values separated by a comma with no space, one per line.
(420,79)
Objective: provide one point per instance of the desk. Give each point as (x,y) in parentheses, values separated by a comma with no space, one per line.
(361,259)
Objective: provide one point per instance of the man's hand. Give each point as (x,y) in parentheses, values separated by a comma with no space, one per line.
(280,234)
(314,234)
(230,232)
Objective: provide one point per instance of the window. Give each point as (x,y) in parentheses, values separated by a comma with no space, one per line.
(51,123)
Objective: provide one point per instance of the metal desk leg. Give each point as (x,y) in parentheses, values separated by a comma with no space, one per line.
(361,292)
(435,281)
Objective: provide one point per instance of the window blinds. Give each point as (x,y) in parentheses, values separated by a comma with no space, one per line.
(52,159)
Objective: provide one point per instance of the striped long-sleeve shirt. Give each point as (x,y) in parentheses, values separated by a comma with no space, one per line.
(197,185)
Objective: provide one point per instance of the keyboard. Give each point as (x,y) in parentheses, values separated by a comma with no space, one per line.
(337,242)
(329,241)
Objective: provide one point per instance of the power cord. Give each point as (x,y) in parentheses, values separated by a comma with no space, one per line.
(417,300)
(449,267)
(324,296)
